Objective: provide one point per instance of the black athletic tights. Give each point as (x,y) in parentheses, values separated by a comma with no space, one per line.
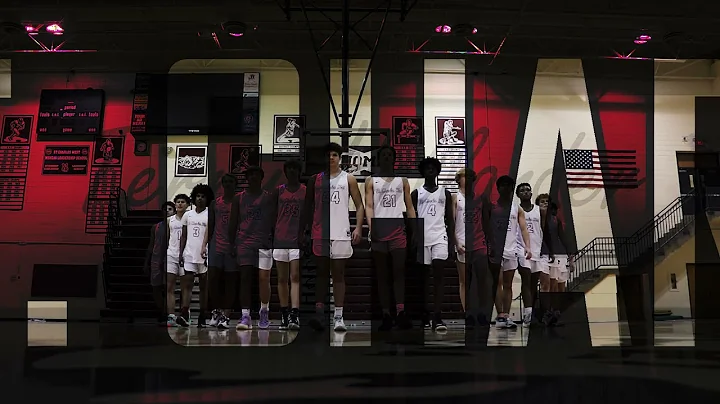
(395,259)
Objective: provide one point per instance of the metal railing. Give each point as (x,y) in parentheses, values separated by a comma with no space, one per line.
(643,244)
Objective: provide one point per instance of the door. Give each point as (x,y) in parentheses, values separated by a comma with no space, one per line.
(691,287)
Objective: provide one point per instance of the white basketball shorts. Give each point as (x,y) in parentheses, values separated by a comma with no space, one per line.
(542,264)
(174,267)
(286,255)
(433,252)
(194,267)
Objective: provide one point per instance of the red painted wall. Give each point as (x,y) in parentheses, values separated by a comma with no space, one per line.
(52,222)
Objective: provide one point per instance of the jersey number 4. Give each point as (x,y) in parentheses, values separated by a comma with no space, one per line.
(389,201)
(335,197)
(432,211)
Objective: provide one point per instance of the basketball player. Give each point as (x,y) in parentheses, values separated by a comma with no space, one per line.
(386,197)
(155,258)
(476,213)
(290,127)
(434,207)
(194,248)
(290,199)
(251,222)
(331,191)
(508,224)
(537,268)
(561,263)
(221,291)
(175,268)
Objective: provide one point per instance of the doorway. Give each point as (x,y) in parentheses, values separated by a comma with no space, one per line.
(698,172)
(690,268)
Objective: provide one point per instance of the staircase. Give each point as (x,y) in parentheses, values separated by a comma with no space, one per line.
(651,243)
(128,294)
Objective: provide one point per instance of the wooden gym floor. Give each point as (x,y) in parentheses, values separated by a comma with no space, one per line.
(677,333)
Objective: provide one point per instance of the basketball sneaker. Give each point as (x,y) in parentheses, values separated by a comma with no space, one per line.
(403,321)
(294,320)
(387,323)
(426,321)
(318,321)
(182,321)
(264,321)
(245,323)
(339,324)
(214,318)
(510,324)
(223,323)
(438,325)
(284,319)
(527,317)
(500,322)
(172,320)
(469,322)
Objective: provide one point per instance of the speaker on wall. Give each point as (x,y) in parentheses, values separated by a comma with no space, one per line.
(142,147)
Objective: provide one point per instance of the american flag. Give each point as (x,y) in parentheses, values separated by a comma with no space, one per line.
(601,168)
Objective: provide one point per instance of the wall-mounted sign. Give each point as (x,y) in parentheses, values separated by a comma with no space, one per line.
(408,140)
(105,181)
(191,161)
(14,160)
(241,158)
(451,149)
(288,137)
(71,112)
(65,160)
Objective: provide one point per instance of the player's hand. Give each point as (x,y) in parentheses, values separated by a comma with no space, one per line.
(356,235)
(181,261)
(528,254)
(460,248)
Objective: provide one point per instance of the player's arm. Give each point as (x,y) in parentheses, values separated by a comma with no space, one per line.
(409,204)
(183,237)
(151,247)
(275,210)
(449,217)
(369,203)
(523,230)
(564,238)
(206,240)
(357,200)
(234,217)
(308,207)
(454,214)
(211,221)
(414,199)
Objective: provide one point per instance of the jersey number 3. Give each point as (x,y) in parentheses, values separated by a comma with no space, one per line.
(196,232)
(389,201)
(335,197)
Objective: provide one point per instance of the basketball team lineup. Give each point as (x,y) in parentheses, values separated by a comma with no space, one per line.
(224,238)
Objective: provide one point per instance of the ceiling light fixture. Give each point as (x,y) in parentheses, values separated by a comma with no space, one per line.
(234,28)
(443,29)
(54,29)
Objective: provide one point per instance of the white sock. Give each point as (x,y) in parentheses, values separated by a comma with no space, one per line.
(528,310)
(264,306)
(245,312)
(338,311)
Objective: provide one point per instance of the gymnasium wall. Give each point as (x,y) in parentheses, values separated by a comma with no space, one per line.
(678,299)
(5,78)
(279,95)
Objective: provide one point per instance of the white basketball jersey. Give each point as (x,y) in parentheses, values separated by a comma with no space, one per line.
(534,229)
(196,225)
(460,217)
(388,198)
(513,232)
(173,251)
(431,208)
(339,207)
